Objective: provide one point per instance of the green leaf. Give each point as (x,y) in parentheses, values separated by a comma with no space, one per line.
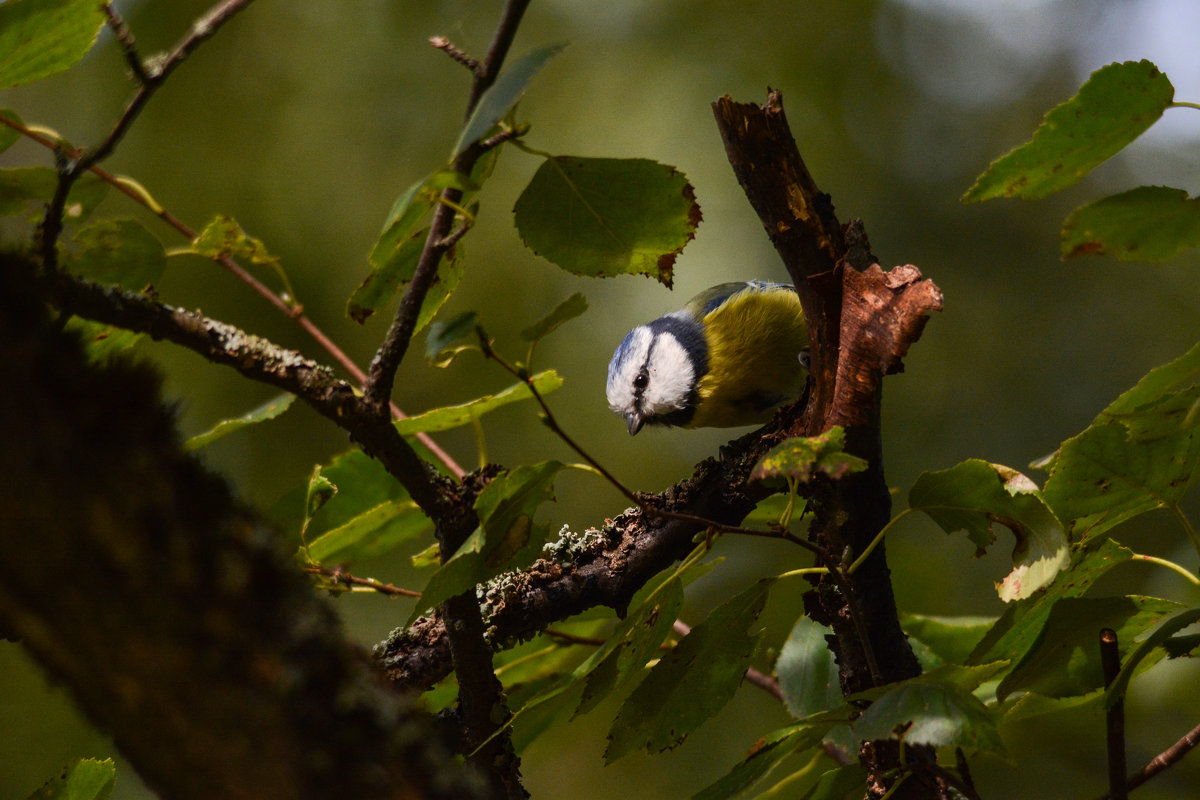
(39,38)
(932,713)
(1019,626)
(693,681)
(607,216)
(319,492)
(119,252)
(766,754)
(506,538)
(9,136)
(502,95)
(82,779)
(1140,453)
(632,644)
(409,210)
(801,457)
(447,417)
(26,190)
(842,783)
(1150,650)
(361,483)
(386,281)
(373,532)
(268,410)
(223,237)
(953,639)
(441,334)
(567,310)
(1065,659)
(973,496)
(1114,107)
(506,507)
(1149,223)
(807,672)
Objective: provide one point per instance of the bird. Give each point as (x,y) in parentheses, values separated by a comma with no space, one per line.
(733,355)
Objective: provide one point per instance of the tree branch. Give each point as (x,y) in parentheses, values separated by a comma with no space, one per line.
(261,360)
(861,322)
(1110,660)
(387,359)
(172,615)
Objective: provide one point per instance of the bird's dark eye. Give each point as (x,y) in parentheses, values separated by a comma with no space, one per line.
(641,380)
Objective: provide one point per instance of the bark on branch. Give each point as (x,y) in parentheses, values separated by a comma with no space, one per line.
(177,620)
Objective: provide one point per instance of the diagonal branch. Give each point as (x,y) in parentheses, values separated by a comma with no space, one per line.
(174,617)
(261,360)
(391,352)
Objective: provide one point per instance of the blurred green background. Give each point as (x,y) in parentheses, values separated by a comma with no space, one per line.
(305,120)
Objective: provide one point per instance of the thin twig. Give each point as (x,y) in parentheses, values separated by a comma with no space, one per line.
(768,683)
(125,39)
(339,575)
(450,49)
(1161,762)
(378,390)
(1110,661)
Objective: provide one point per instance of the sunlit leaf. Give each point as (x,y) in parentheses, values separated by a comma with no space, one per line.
(693,681)
(361,484)
(1021,623)
(801,456)
(373,532)
(807,672)
(566,311)
(39,38)
(447,417)
(1065,659)
(83,779)
(502,95)
(268,410)
(1114,107)
(1149,223)
(223,237)
(932,713)
(608,216)
(973,496)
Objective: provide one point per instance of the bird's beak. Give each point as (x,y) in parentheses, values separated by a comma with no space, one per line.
(635,421)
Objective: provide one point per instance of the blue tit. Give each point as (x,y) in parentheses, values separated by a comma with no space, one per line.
(731,356)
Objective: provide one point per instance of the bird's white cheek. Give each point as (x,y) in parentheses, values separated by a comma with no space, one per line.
(672,377)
